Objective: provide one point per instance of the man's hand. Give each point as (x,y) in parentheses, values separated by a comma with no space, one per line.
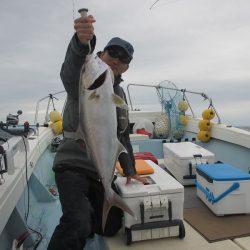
(138,178)
(84,28)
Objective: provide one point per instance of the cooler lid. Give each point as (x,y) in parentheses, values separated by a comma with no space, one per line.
(186,150)
(222,172)
(160,182)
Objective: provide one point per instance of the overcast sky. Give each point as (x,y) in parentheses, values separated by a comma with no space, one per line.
(200,45)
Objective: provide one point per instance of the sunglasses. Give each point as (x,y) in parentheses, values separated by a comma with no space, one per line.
(120,54)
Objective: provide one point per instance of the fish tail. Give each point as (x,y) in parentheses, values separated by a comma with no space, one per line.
(114,200)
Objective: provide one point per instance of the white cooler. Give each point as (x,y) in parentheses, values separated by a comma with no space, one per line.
(223,188)
(158,206)
(182,158)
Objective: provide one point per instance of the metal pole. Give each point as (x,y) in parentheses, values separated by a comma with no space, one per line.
(175,89)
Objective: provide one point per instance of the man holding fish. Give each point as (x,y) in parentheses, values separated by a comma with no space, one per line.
(96,133)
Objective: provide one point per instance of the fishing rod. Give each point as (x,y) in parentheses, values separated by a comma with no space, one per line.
(154,4)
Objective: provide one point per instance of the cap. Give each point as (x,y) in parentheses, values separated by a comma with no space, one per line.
(116,41)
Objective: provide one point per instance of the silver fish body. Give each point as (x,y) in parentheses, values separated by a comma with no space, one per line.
(98,126)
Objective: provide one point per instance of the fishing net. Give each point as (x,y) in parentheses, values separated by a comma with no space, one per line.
(169,97)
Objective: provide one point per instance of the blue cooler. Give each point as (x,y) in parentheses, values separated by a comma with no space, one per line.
(223,188)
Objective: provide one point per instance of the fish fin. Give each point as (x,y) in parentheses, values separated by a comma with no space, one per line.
(119,102)
(113,199)
(93,95)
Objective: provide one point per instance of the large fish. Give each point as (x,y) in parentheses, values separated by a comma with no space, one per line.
(98,126)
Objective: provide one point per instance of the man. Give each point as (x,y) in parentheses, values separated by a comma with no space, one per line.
(80,189)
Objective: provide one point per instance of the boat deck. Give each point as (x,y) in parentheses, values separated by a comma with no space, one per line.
(193,240)
(42,200)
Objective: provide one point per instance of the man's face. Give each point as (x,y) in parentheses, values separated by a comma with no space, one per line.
(116,59)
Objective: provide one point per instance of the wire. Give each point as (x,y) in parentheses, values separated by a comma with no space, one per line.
(40,237)
(166,3)
(154,4)
(25,235)
(22,237)
(26,178)
(38,240)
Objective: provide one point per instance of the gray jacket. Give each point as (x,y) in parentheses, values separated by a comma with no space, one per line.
(71,153)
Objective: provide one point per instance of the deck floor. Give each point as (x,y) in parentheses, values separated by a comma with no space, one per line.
(193,240)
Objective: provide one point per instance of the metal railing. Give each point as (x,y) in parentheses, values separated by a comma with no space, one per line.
(158,90)
(50,100)
(183,91)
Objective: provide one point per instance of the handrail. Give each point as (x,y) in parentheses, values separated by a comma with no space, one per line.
(157,87)
(48,106)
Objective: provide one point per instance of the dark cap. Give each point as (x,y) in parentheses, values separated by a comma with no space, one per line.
(116,41)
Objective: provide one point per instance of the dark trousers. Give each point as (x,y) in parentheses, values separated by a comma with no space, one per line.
(81,199)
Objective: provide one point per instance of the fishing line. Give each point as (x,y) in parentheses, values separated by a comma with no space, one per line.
(73,9)
(166,3)
(154,4)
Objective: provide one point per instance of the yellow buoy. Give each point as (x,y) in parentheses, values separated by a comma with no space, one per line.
(183,119)
(208,114)
(57,127)
(183,106)
(205,125)
(204,136)
(55,116)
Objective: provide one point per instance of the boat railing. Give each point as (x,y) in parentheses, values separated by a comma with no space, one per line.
(183,91)
(158,88)
(50,98)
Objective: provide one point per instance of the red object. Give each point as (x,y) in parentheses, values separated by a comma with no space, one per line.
(146,156)
(142,131)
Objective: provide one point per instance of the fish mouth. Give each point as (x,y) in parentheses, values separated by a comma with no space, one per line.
(99,81)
